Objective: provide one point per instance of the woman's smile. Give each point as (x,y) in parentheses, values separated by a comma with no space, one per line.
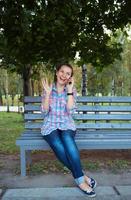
(63,79)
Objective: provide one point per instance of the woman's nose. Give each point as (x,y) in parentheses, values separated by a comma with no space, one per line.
(64,75)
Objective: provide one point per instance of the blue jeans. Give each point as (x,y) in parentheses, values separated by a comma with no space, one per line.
(63,144)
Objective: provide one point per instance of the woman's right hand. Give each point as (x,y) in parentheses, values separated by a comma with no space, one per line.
(46,86)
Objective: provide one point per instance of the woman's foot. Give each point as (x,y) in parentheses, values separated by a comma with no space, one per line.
(85,186)
(90,181)
(87,189)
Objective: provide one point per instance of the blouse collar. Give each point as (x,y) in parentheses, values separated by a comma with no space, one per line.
(54,88)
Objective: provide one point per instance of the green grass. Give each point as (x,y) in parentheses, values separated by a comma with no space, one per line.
(11,126)
(44,167)
(54,166)
(118,164)
(92,166)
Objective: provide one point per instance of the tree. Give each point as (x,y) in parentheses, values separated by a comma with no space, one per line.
(53,31)
(34,32)
(96,17)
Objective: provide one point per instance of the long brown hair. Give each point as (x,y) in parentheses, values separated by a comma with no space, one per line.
(58,67)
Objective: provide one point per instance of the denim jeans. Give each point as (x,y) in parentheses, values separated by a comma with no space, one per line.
(63,144)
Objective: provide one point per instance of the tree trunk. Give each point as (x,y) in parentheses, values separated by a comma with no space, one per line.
(12,99)
(113,87)
(39,89)
(27,89)
(32,86)
(84,80)
(1,100)
(7,90)
(130,88)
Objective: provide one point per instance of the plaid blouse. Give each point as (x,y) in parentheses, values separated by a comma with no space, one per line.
(58,116)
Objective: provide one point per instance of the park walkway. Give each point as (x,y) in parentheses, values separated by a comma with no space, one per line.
(61,187)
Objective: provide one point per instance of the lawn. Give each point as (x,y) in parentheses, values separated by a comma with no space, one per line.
(11,126)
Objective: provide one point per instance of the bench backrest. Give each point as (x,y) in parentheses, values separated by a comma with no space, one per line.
(93,113)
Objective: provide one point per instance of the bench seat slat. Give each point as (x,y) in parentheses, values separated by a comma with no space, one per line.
(121,137)
(82,144)
(86,132)
(82,135)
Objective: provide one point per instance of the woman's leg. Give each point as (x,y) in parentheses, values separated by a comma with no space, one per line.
(54,140)
(72,152)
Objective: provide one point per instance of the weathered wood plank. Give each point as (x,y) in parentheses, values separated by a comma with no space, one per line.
(89,99)
(106,99)
(81,108)
(122,116)
(84,132)
(30,125)
(101,108)
(89,136)
(82,144)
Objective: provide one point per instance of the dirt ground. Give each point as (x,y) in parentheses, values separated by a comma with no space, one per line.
(96,155)
(9,163)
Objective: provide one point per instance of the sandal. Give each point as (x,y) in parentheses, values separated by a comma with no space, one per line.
(89,194)
(92,183)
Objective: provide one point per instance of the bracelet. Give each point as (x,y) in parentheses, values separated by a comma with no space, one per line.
(70,93)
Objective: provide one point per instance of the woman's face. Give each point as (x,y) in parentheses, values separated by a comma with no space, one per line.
(63,75)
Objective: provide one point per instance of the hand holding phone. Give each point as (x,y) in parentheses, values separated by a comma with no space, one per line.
(70,81)
(70,84)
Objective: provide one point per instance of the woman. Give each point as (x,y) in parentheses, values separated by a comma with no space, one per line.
(58,105)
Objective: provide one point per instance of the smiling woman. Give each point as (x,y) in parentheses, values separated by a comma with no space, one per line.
(58,129)
(65,70)
(58,101)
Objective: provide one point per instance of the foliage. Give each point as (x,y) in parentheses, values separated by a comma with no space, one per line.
(53,31)
(10,84)
(114,80)
(50,31)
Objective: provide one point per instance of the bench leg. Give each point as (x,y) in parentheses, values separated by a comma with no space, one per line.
(29,160)
(23,161)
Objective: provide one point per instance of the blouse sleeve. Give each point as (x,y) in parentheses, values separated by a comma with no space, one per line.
(72,110)
(44,112)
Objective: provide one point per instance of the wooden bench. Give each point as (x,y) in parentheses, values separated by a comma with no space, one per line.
(102,123)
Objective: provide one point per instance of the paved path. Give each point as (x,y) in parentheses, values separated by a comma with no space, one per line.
(62,187)
(70,193)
